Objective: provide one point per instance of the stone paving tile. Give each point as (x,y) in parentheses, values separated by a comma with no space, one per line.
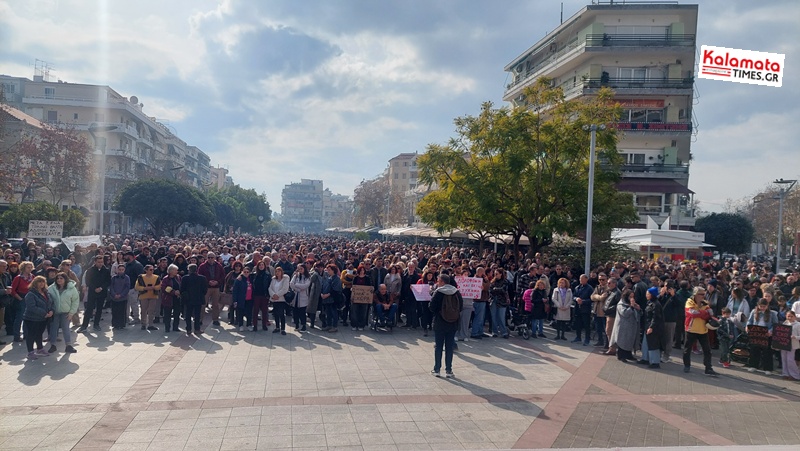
(618,425)
(772,423)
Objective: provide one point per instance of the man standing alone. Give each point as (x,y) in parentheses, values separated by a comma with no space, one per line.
(193,294)
(446,304)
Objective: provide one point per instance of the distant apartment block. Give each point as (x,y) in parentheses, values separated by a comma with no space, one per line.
(138,147)
(301,206)
(645,52)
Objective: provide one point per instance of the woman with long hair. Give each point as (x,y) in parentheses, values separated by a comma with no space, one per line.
(498,293)
(230,278)
(38,309)
(540,307)
(64,297)
(300,283)
(277,289)
(429,278)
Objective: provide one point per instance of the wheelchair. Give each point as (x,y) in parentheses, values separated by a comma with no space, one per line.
(391,316)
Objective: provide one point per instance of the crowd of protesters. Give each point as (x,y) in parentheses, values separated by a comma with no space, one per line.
(629,307)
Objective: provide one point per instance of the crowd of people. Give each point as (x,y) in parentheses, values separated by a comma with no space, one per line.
(629,307)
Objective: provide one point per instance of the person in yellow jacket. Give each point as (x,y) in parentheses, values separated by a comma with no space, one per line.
(698,312)
(148,285)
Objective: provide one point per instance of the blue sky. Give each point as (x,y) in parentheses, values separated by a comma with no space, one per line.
(282,90)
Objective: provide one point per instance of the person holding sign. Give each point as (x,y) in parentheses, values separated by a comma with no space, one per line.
(790,370)
(759,329)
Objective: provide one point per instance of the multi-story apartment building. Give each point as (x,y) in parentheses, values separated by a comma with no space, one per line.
(138,146)
(645,52)
(402,172)
(218,177)
(301,206)
(337,209)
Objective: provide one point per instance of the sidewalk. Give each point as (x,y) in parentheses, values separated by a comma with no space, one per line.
(371,390)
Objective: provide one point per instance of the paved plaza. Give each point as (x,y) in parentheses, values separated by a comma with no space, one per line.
(137,390)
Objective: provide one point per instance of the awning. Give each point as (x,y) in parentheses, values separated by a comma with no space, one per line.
(640,185)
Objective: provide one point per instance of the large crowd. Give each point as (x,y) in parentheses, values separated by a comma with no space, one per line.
(187,284)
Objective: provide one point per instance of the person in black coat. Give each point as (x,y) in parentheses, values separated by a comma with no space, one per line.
(444,331)
(653,342)
(193,294)
(671,307)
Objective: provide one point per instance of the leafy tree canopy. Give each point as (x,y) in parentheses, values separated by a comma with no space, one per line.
(239,208)
(524,171)
(729,232)
(165,204)
(15,220)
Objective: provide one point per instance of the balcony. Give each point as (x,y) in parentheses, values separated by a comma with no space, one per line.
(640,40)
(671,171)
(655,127)
(120,175)
(598,42)
(679,215)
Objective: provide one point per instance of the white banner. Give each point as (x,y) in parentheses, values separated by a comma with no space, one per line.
(422,292)
(470,287)
(45,229)
(82,241)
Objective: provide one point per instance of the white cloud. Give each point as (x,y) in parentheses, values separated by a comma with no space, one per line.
(737,159)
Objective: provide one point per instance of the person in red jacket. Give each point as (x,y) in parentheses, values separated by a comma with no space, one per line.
(698,313)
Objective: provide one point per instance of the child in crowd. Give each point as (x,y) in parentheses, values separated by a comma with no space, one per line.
(790,370)
(725,334)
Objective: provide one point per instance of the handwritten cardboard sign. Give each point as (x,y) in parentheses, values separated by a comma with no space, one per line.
(422,292)
(470,287)
(757,336)
(361,294)
(782,337)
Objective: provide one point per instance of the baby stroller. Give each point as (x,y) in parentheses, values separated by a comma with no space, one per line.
(520,322)
(740,351)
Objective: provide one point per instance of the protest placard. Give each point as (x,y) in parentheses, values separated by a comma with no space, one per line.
(782,337)
(361,294)
(757,336)
(470,287)
(422,292)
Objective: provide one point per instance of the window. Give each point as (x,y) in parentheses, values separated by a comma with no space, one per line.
(633,73)
(405,163)
(52,116)
(49,93)
(75,116)
(8,88)
(99,117)
(642,115)
(633,158)
(396,175)
(404,176)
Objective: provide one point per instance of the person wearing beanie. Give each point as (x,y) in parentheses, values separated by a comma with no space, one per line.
(653,341)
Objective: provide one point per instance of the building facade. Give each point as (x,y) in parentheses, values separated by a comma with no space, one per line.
(402,172)
(644,52)
(301,206)
(337,210)
(137,146)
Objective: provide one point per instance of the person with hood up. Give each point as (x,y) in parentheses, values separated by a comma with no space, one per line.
(441,306)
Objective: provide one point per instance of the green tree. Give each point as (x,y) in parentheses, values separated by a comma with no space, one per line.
(165,204)
(524,171)
(727,231)
(15,220)
(370,200)
(240,208)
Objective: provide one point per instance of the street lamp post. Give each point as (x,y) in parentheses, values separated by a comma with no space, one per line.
(781,195)
(95,128)
(590,204)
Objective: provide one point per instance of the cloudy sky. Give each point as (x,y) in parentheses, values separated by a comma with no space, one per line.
(331,89)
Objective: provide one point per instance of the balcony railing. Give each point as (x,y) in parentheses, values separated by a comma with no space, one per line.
(120,175)
(662,168)
(655,126)
(633,83)
(640,40)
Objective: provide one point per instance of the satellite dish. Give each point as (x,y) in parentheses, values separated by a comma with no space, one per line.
(134,100)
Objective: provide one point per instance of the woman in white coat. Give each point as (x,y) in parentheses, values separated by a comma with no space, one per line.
(300,284)
(277,289)
(562,301)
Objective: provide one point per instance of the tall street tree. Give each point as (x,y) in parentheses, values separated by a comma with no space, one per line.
(165,204)
(370,201)
(727,231)
(59,162)
(524,171)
